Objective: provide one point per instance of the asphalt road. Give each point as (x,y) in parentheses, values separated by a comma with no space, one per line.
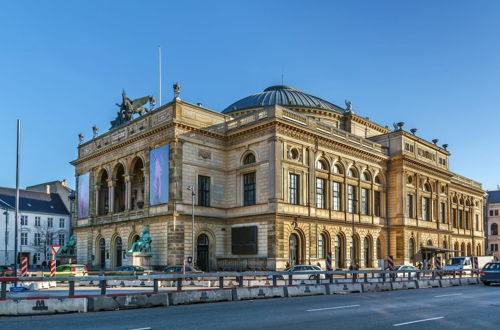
(464,307)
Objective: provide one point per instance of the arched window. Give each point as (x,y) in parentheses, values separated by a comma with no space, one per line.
(379,249)
(494,229)
(429,243)
(427,187)
(337,169)
(249,159)
(457,249)
(352,173)
(339,251)
(321,246)
(378,180)
(411,249)
(366,176)
(368,252)
(462,249)
(321,165)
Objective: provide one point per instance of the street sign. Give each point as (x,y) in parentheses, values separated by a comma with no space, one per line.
(55,248)
(190,260)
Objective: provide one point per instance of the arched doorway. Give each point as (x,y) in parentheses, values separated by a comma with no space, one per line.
(202,249)
(137,185)
(478,252)
(119,198)
(411,250)
(355,252)
(339,252)
(469,249)
(102,253)
(118,252)
(462,249)
(367,248)
(293,249)
(457,249)
(379,249)
(103,194)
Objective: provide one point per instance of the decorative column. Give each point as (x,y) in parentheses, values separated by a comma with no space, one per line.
(128,192)
(97,189)
(111,195)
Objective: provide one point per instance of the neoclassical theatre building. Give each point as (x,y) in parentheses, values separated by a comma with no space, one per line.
(278,178)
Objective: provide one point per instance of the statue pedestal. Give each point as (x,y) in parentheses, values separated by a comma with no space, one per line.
(141,259)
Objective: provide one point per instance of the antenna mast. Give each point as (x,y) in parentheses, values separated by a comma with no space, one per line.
(159,73)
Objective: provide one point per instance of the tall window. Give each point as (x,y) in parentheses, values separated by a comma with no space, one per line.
(477,222)
(337,196)
(442,212)
(37,239)
(294,189)
(24,238)
(426,208)
(61,239)
(467,225)
(351,199)
(411,248)
(364,201)
(50,222)
(320,193)
(454,217)
(377,204)
(461,218)
(409,206)
(249,189)
(203,190)
(24,220)
(38,221)
(61,222)
(494,229)
(321,246)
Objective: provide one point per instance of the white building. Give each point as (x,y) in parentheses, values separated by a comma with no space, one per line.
(44,220)
(493,222)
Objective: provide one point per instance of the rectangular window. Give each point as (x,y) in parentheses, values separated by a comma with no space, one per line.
(203,190)
(50,239)
(24,238)
(61,239)
(24,220)
(249,189)
(496,212)
(320,193)
(50,222)
(442,212)
(409,206)
(377,204)
(294,189)
(454,217)
(351,199)
(426,208)
(37,239)
(467,225)
(337,196)
(364,201)
(477,222)
(461,219)
(491,212)
(61,222)
(38,221)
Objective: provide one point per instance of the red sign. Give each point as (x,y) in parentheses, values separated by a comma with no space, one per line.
(55,249)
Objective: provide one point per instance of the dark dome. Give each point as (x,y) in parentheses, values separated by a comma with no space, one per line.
(281,95)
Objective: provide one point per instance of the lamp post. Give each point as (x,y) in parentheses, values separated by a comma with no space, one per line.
(353,233)
(191,188)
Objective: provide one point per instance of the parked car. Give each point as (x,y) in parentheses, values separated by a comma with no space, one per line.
(302,269)
(129,270)
(182,270)
(458,264)
(70,270)
(405,269)
(490,273)
(6,270)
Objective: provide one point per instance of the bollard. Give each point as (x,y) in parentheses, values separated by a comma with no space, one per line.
(102,284)
(290,279)
(155,285)
(275,280)
(71,288)
(4,289)
(240,281)
(179,284)
(221,282)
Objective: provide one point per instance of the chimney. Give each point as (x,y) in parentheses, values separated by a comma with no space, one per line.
(47,189)
(64,183)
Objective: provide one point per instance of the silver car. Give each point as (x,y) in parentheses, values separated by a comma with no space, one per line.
(303,269)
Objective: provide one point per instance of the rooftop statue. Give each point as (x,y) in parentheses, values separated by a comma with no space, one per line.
(69,249)
(143,244)
(130,107)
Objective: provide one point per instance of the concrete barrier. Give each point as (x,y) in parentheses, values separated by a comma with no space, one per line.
(469,280)
(344,288)
(258,292)
(423,284)
(305,290)
(447,282)
(199,296)
(404,285)
(376,286)
(102,303)
(42,306)
(141,300)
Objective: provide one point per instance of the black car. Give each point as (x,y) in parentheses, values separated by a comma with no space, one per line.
(490,273)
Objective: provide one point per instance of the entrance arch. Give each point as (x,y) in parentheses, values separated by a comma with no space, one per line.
(367,249)
(294,249)
(102,253)
(202,252)
(118,252)
(339,257)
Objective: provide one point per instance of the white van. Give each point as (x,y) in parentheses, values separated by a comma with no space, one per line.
(457,264)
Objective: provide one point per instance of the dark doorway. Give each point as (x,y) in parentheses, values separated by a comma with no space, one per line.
(202,257)
(102,253)
(118,252)
(294,251)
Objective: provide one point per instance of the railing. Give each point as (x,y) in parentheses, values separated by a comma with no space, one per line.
(283,277)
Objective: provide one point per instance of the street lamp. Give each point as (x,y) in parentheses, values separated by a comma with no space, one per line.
(353,233)
(191,188)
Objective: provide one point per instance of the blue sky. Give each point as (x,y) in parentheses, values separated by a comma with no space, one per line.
(433,64)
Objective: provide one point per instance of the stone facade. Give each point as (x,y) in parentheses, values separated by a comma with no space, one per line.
(318,175)
(492,215)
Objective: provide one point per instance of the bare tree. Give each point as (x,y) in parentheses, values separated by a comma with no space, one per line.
(43,238)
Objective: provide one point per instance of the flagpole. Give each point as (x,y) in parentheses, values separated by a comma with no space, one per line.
(159,72)
(16,220)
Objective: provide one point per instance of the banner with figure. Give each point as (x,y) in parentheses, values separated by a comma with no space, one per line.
(83,196)
(158,175)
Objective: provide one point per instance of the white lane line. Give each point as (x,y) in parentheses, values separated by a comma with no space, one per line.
(418,321)
(328,308)
(141,328)
(448,295)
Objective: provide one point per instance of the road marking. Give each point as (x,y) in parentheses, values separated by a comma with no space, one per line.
(328,308)
(449,295)
(418,321)
(141,328)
